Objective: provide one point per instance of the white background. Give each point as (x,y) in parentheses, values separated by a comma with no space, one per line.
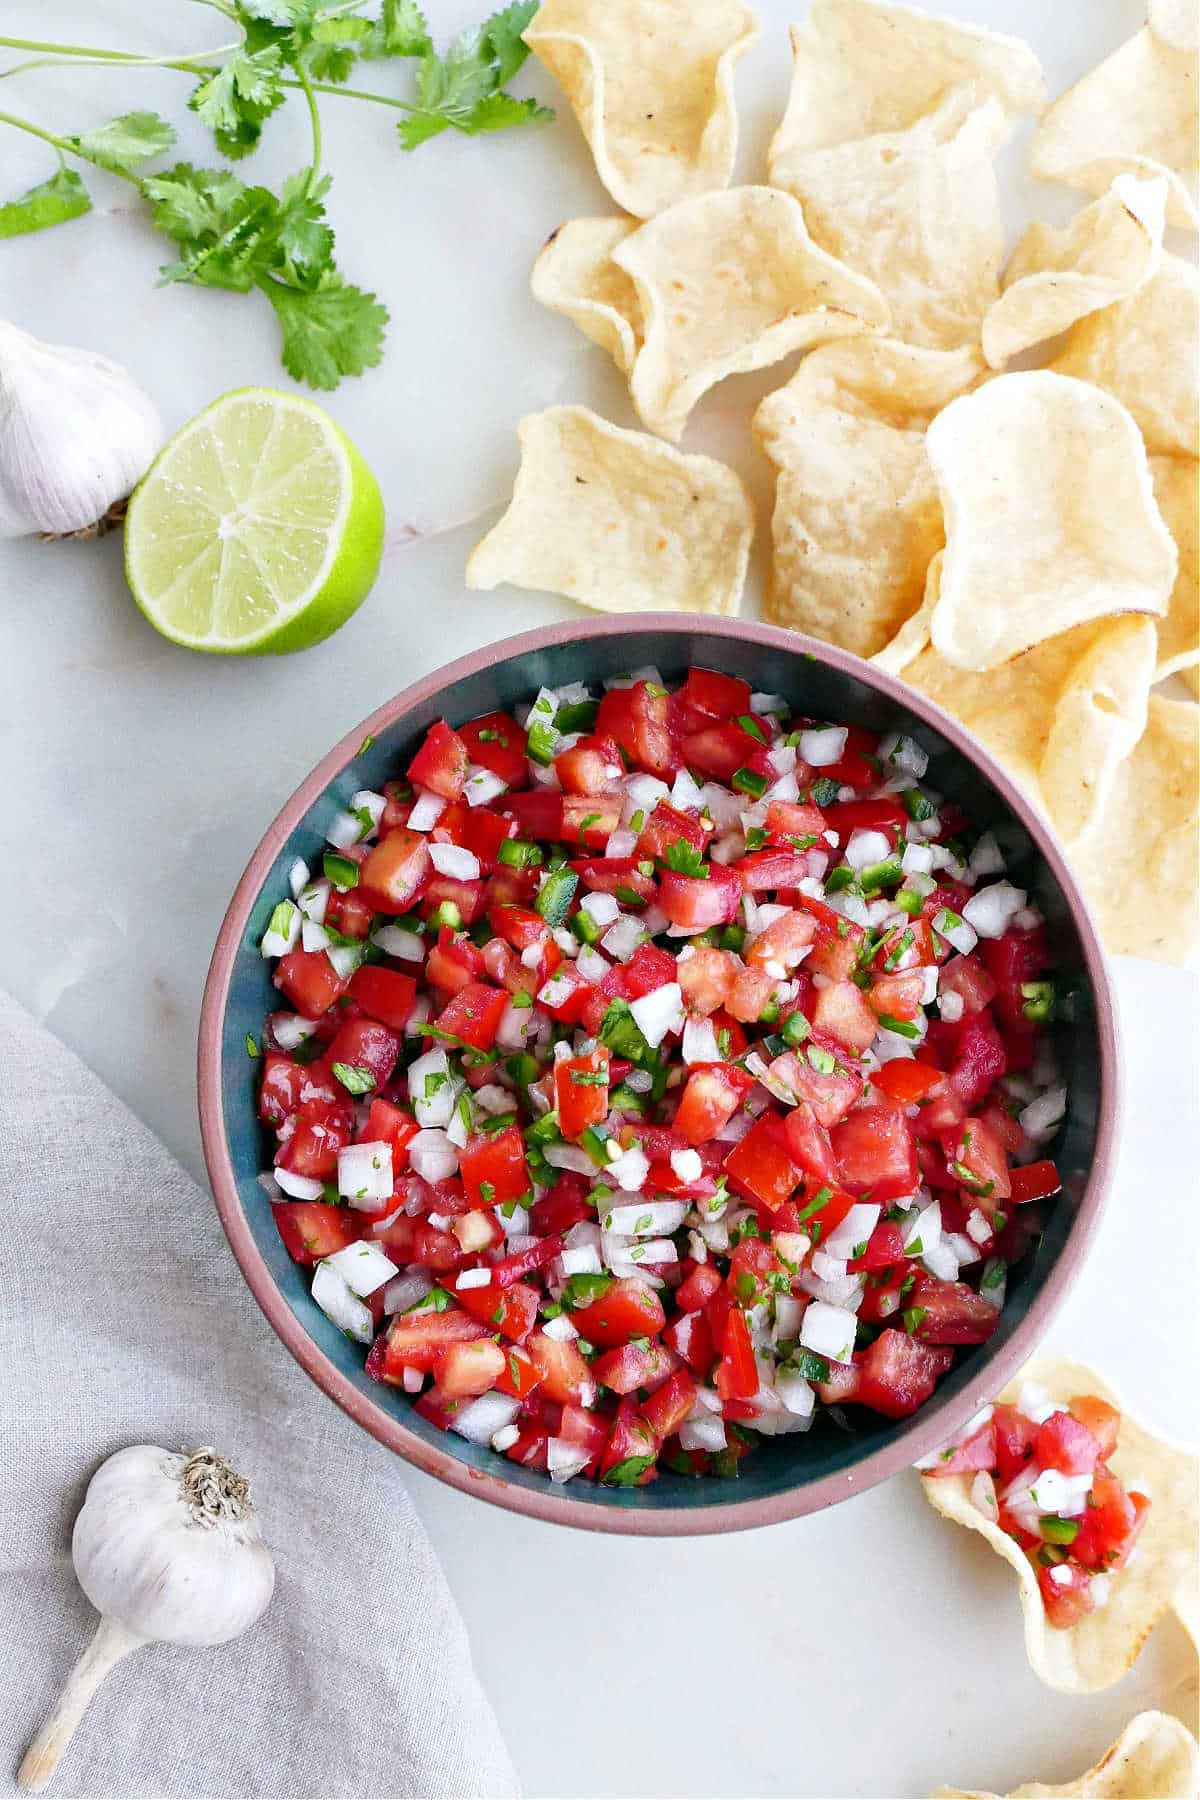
(874,1650)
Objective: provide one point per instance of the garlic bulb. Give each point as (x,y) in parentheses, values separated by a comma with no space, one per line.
(76,435)
(167,1549)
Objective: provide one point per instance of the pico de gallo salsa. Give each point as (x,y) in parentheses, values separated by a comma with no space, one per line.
(1040,1472)
(655,1067)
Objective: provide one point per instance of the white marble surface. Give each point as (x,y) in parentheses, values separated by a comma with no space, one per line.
(871,1651)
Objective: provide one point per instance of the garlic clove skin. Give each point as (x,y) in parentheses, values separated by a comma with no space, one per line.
(169,1545)
(77,434)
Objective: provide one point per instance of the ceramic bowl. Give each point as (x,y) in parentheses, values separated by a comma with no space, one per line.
(786,1476)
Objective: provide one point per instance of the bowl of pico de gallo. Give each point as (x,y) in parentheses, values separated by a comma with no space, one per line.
(659,1076)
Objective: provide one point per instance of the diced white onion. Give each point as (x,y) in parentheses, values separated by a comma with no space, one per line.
(432,1156)
(436,1107)
(854,1229)
(472,1278)
(630,1169)
(583,1260)
(393,940)
(704,1433)
(482,785)
(331,1291)
(687,1165)
(481,1419)
(788,1314)
(986,857)
(299,1187)
(904,753)
(924,1230)
(1062,1495)
(346,958)
(290,1031)
(828,1268)
(453,860)
(406,1290)
(866,847)
(363,1266)
(569,1156)
(658,1012)
(505,1438)
(591,965)
(823,747)
(700,1042)
(983,1495)
(951,1008)
(623,937)
(564,1459)
(917,859)
(314,937)
(276,942)
(649,1218)
(344,831)
(686,794)
(989,912)
(364,1173)
(962,935)
(620,844)
(796,1393)
(560,1329)
(1040,1119)
(298,877)
(368,801)
(940,1260)
(427,809)
(602,909)
(642,795)
(829,1330)
(1036,1402)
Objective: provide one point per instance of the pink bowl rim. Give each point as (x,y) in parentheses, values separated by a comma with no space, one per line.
(935,1424)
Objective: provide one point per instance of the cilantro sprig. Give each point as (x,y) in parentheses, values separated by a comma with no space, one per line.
(246,238)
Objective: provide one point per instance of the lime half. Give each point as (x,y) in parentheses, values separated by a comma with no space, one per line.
(259,529)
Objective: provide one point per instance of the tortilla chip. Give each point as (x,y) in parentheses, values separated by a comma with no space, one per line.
(1144,350)
(913,635)
(1135,113)
(917,210)
(1137,863)
(1109,251)
(727,283)
(651,83)
(575,275)
(1050,517)
(1177,490)
(1097,1651)
(618,521)
(1155,1758)
(1062,717)
(857,513)
(866,66)
(1175,22)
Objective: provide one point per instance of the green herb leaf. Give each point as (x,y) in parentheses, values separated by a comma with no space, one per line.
(52,202)
(401,31)
(126,142)
(684,859)
(464,88)
(355,1080)
(628,1472)
(252,1049)
(236,100)
(330,332)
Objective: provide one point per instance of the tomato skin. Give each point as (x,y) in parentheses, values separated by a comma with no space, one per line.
(511,1310)
(474,1014)
(897,1374)
(715,696)
(581,1103)
(842,1012)
(809,1144)
(502,750)
(905,1082)
(1065,1443)
(1101,1419)
(441,763)
(589,767)
(852,768)
(562,1207)
(388,1124)
(1033,1181)
(667,826)
(310,981)
(976,1452)
(736,1376)
(462,1371)
(630,1366)
(415,1342)
(876,1149)
(980,1061)
(311,1230)
(565,1375)
(493,1168)
(669,1405)
(764,869)
(643,724)
(366,1044)
(395,871)
(519,1376)
(476,829)
(629,1308)
(604,875)
(453,964)
(630,1436)
(698,1288)
(713,1093)
(885,1248)
(690,1337)
(1016,1438)
(696,904)
(320,1131)
(722,748)
(1067,1599)
(954,1313)
(280,1091)
(385,994)
(885,813)
(760,1166)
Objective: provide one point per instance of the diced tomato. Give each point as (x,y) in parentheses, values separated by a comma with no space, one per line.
(978,1161)
(785,941)
(537,814)
(590,819)
(619,875)
(736,1376)
(396,871)
(896,996)
(385,994)
(348,912)
(885,1247)
(398,804)
(904,948)
(469,898)
(830,1092)
(667,826)
(897,1374)
(1015,1437)
(690,1336)
(632,1366)
(453,963)
(876,1150)
(842,1012)
(493,1167)
(698,1288)
(408,1240)
(1065,1443)
(763,869)
(518,926)
(569,995)
(311,1230)
(905,1082)
(589,767)
(751,1269)
(1066,1592)
(441,763)
(534,1257)
(837,943)
(1033,1181)
(310,981)
(647,969)
(669,1405)
(586,1429)
(415,1341)
(581,1091)
(696,904)
(565,1205)
(713,1094)
(715,696)
(856,767)
(1101,1419)
(967,977)
(319,1132)
(511,1310)
(761,1167)
(628,1308)
(387,1124)
(886,1293)
(720,750)
(975,1452)
(281,1091)
(980,1061)
(497,742)
(1011,961)
(953,1312)
(786,819)
(476,829)
(706,979)
(473,1016)
(565,1375)
(752,991)
(519,1376)
(366,1044)
(809,1144)
(463,1370)
(431,1405)
(884,813)
(642,723)
(630,1442)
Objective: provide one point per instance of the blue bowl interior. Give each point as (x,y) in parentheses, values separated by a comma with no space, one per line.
(816,690)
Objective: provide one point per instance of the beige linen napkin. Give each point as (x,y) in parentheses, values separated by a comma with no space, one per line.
(124,1319)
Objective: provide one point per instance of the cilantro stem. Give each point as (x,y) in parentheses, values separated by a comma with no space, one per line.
(314,115)
(65,146)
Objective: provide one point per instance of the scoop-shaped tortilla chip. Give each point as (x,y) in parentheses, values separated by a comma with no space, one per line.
(651,83)
(917,210)
(1175,22)
(866,66)
(857,513)
(1108,252)
(575,275)
(1134,113)
(1137,862)
(1097,1651)
(618,521)
(1177,490)
(913,635)
(1144,350)
(1155,1758)
(1050,517)
(1062,717)
(730,282)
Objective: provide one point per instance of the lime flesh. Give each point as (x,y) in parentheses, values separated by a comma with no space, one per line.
(258,530)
